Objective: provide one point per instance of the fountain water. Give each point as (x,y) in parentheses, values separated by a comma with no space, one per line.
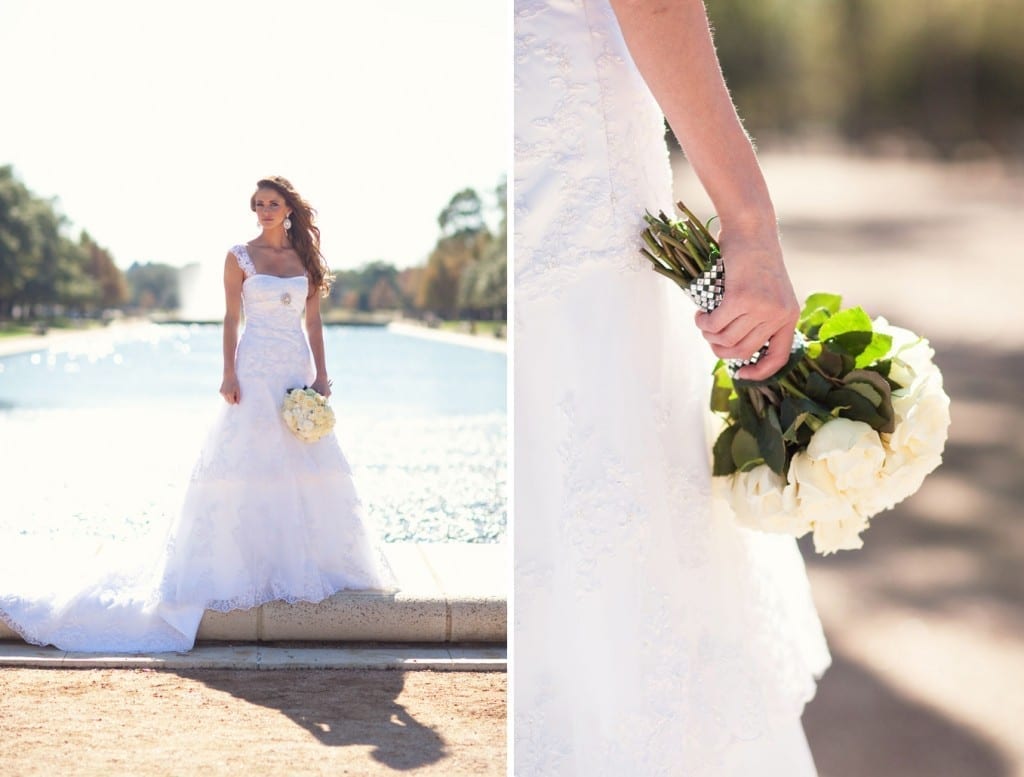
(201,292)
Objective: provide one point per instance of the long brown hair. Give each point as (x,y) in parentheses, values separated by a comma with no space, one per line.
(304,233)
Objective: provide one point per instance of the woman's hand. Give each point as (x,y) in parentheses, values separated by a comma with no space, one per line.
(230,391)
(322,386)
(759,306)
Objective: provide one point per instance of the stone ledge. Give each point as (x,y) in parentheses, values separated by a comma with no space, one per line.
(450,592)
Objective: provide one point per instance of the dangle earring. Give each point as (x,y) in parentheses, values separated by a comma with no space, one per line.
(287,223)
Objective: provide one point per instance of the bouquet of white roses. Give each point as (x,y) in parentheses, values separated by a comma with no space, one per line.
(849,427)
(307,414)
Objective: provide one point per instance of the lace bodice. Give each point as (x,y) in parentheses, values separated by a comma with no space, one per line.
(270,301)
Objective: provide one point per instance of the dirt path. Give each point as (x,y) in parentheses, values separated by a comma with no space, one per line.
(322,722)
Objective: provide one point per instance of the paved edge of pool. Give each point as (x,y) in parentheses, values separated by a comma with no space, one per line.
(461,658)
(450,594)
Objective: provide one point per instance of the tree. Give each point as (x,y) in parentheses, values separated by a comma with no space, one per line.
(111,287)
(482,285)
(463,215)
(18,260)
(408,283)
(153,286)
(438,287)
(383,295)
(41,268)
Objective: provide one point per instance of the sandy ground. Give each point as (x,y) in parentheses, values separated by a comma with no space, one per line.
(215,722)
(926,623)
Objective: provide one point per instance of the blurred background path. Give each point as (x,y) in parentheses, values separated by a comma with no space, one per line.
(925,623)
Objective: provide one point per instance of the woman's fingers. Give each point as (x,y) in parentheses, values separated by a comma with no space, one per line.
(744,336)
(774,359)
(232,395)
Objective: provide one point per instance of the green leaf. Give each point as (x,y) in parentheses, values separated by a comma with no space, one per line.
(723,462)
(770,442)
(792,433)
(855,407)
(817,387)
(868,392)
(879,346)
(797,416)
(830,363)
(872,378)
(844,322)
(748,417)
(721,390)
(745,452)
(883,368)
(851,344)
(811,324)
(882,386)
(823,300)
(817,310)
(757,402)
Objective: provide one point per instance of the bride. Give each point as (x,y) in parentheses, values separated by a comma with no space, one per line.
(265,515)
(652,636)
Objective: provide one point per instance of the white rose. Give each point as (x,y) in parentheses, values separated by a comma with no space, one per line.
(820,503)
(839,535)
(851,450)
(922,414)
(915,447)
(759,500)
(911,354)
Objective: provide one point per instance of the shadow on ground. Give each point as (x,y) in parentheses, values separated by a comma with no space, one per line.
(859,727)
(340,708)
(953,552)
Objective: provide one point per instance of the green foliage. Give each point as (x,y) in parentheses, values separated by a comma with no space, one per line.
(374,286)
(463,214)
(950,72)
(153,286)
(42,270)
(466,273)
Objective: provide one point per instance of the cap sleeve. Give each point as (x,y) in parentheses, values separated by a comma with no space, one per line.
(241,254)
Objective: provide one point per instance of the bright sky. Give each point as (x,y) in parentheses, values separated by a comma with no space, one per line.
(152,121)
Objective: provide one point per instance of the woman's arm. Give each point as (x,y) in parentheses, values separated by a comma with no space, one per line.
(671,44)
(233,278)
(315,333)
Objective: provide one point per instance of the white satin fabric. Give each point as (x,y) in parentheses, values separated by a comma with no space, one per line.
(265,517)
(652,636)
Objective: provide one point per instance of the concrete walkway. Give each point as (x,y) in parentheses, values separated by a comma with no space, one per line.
(450,593)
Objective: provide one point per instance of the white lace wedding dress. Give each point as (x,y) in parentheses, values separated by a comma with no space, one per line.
(652,636)
(265,517)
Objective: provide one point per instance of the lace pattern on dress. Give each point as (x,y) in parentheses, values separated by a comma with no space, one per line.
(241,252)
